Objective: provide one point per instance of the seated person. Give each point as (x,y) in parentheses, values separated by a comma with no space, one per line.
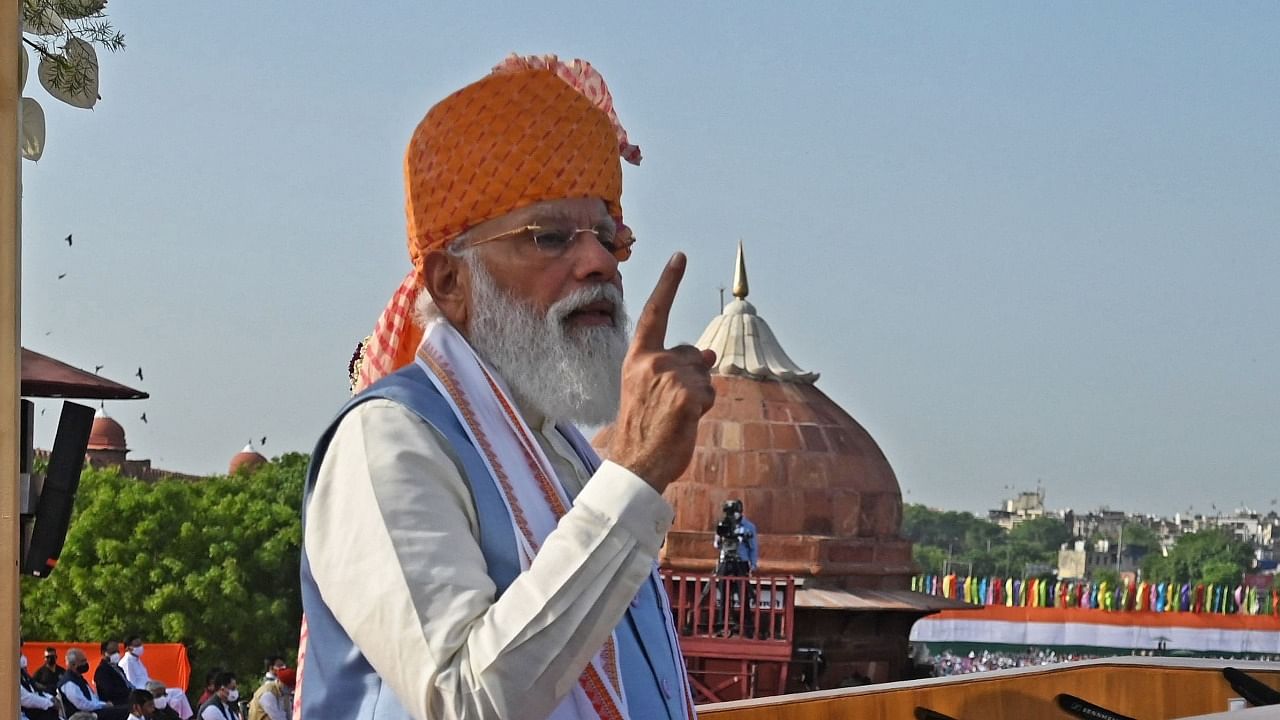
(49,675)
(224,703)
(77,694)
(142,705)
(36,704)
(136,673)
(272,700)
(163,711)
(109,679)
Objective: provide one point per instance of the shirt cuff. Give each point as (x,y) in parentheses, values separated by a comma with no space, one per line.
(630,502)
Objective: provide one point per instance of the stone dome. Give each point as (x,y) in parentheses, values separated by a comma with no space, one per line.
(106,433)
(247,460)
(825,500)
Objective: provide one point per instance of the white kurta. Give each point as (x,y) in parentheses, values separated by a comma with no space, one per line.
(393,543)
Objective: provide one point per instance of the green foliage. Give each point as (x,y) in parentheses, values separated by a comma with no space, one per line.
(1140,540)
(1208,556)
(968,541)
(211,563)
(1107,575)
(929,558)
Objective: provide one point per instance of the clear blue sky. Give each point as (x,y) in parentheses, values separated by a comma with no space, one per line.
(1023,242)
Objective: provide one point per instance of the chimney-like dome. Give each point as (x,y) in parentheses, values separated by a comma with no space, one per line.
(247,460)
(106,434)
(824,498)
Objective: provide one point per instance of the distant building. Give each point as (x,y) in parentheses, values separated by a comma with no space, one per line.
(1026,506)
(108,448)
(1081,558)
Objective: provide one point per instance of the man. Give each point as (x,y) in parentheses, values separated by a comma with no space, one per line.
(735,538)
(49,675)
(142,705)
(465,552)
(109,678)
(131,663)
(138,677)
(222,704)
(160,693)
(35,703)
(272,699)
(77,694)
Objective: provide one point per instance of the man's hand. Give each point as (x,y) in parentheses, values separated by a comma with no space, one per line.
(664,392)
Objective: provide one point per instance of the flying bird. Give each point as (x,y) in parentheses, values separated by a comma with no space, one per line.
(264,440)
(62,276)
(139,373)
(42,410)
(144,418)
(68,240)
(97,369)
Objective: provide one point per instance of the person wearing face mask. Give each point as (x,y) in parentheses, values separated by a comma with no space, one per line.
(131,663)
(109,678)
(224,703)
(163,710)
(136,673)
(77,693)
(142,705)
(49,675)
(36,704)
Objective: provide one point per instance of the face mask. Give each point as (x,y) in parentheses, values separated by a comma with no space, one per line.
(137,651)
(233,695)
(114,658)
(162,703)
(22,662)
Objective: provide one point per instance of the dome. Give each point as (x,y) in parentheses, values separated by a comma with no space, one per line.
(825,500)
(106,433)
(247,460)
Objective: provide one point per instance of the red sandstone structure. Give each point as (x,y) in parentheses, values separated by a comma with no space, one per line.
(826,504)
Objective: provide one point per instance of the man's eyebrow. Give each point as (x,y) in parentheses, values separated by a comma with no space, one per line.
(561,215)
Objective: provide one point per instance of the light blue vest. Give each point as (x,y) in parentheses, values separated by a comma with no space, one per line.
(340,683)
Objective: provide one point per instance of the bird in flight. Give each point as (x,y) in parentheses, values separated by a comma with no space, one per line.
(97,369)
(68,240)
(144,418)
(139,373)
(62,276)
(264,440)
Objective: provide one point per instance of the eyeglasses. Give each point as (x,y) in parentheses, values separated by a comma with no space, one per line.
(554,241)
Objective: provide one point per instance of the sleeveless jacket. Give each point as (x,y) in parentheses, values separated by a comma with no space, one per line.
(339,681)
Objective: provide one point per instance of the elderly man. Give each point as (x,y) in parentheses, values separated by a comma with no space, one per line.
(466,554)
(78,695)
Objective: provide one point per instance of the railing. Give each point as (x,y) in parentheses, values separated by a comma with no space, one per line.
(736,633)
(748,608)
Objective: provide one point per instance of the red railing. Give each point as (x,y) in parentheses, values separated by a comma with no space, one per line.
(736,633)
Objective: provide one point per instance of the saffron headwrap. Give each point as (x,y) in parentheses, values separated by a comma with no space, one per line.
(535,129)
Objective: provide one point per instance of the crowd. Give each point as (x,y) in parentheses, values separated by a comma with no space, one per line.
(122,689)
(948,663)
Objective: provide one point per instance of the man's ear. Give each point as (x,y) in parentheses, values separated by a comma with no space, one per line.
(445,276)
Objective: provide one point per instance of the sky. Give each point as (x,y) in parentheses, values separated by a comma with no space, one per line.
(1026,244)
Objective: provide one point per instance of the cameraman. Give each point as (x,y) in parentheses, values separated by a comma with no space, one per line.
(736,540)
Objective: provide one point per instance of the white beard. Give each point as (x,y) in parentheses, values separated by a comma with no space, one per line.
(562,373)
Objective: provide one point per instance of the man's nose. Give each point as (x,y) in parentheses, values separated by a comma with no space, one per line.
(591,259)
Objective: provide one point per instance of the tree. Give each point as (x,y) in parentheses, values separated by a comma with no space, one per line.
(1202,557)
(63,34)
(211,563)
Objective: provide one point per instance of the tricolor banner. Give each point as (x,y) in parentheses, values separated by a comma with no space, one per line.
(1066,626)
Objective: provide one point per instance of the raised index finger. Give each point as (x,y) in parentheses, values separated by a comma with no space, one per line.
(651,328)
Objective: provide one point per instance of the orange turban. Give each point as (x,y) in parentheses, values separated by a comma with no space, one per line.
(535,129)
